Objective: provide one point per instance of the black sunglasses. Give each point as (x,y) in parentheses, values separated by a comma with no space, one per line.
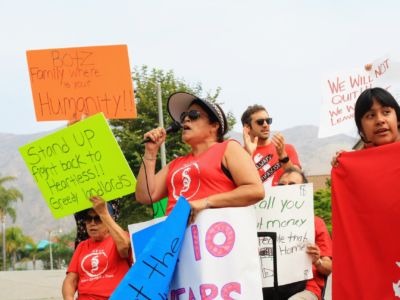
(260,122)
(192,114)
(89,219)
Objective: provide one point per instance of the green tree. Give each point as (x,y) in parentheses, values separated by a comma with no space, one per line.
(32,251)
(62,250)
(16,242)
(129,133)
(322,204)
(7,198)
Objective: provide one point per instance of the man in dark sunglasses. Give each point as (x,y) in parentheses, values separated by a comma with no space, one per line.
(100,262)
(270,154)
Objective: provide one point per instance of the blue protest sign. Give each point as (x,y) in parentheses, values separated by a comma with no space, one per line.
(150,276)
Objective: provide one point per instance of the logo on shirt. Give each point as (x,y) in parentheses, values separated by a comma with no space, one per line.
(186,181)
(95,263)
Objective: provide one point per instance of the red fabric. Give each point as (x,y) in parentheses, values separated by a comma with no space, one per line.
(104,268)
(324,242)
(196,177)
(267,162)
(366,220)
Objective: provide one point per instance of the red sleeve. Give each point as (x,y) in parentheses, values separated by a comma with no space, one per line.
(74,264)
(322,237)
(291,152)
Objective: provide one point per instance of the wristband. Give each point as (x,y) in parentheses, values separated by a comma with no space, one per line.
(284,160)
(149,158)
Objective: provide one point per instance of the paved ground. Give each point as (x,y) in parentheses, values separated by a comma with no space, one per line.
(46,285)
(32,285)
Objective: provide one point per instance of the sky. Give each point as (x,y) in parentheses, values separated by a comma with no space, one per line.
(273,53)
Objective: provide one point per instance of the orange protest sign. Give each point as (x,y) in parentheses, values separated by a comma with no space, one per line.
(69,82)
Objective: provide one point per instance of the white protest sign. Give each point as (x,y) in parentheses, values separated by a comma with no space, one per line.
(289,212)
(341,90)
(219,257)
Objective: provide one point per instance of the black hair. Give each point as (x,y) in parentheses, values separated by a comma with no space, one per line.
(291,170)
(246,116)
(212,118)
(366,100)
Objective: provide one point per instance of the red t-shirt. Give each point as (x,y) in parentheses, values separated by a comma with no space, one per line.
(324,242)
(196,177)
(267,162)
(100,268)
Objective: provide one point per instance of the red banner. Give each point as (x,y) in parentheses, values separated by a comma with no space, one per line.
(365,222)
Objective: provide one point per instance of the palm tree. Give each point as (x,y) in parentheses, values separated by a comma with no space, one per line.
(16,242)
(7,197)
(32,249)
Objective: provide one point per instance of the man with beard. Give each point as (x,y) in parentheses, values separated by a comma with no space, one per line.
(270,155)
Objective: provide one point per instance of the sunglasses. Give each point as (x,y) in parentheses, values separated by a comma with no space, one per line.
(89,219)
(260,122)
(192,115)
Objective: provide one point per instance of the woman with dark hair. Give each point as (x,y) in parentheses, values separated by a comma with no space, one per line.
(377,117)
(216,173)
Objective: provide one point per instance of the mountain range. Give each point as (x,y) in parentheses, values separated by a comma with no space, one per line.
(35,219)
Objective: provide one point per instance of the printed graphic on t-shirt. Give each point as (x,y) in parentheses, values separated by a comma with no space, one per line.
(265,170)
(95,263)
(185,181)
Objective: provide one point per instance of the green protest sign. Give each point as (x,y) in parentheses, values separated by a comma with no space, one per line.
(78,162)
(160,207)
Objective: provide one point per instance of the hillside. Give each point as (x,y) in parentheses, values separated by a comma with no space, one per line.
(35,218)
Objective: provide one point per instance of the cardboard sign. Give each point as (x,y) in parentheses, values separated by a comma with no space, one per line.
(69,82)
(289,212)
(77,162)
(151,274)
(340,92)
(218,259)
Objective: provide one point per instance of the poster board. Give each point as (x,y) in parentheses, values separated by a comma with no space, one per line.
(77,162)
(218,258)
(289,212)
(67,82)
(340,91)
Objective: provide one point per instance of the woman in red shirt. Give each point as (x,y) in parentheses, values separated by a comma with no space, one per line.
(215,174)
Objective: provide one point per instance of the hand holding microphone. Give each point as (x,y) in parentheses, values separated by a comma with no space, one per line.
(158,135)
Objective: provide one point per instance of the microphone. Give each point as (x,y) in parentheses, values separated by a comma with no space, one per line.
(174,127)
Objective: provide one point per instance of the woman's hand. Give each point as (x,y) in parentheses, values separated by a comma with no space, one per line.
(335,161)
(157,137)
(196,207)
(99,205)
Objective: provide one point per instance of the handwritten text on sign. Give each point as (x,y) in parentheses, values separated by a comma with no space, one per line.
(76,163)
(288,211)
(68,82)
(340,92)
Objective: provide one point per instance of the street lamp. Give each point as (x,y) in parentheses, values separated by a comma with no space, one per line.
(161,122)
(50,249)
